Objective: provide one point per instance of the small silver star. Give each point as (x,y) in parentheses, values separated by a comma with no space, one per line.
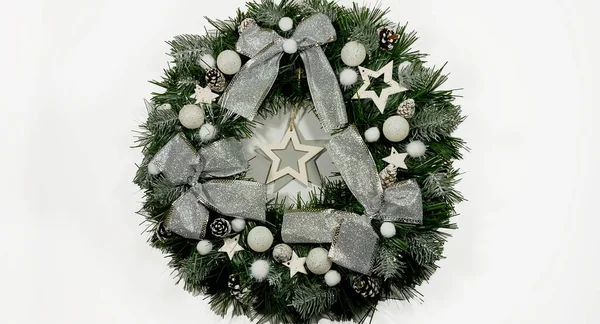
(381,99)
(204,95)
(296,265)
(231,246)
(396,159)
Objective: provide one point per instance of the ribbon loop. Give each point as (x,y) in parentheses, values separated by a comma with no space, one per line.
(252,83)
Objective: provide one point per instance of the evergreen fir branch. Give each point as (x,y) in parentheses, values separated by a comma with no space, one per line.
(387,263)
(363,23)
(426,247)
(442,185)
(311,7)
(436,121)
(163,192)
(312,300)
(268,13)
(187,49)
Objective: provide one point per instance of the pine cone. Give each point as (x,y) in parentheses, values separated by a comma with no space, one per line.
(216,80)
(407,108)
(235,287)
(387,38)
(388,176)
(367,287)
(162,232)
(220,227)
(245,24)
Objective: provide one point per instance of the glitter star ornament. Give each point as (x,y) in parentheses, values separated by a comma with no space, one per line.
(290,157)
(204,95)
(381,99)
(231,246)
(396,159)
(296,264)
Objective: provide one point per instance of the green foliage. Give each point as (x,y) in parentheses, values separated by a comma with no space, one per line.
(402,262)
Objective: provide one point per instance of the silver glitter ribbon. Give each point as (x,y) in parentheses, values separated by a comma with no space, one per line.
(252,83)
(180,163)
(353,240)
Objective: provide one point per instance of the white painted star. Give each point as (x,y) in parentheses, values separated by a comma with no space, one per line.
(296,265)
(204,95)
(381,99)
(231,246)
(300,174)
(396,159)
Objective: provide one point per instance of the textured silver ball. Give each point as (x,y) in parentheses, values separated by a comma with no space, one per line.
(229,62)
(395,128)
(204,247)
(286,24)
(318,261)
(207,132)
(354,53)
(372,135)
(260,239)
(191,116)
(282,253)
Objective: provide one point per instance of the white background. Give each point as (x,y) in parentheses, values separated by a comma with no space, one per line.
(73,78)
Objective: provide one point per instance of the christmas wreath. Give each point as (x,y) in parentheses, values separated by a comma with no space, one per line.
(372,233)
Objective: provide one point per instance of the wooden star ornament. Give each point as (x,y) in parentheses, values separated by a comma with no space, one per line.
(296,264)
(204,95)
(381,99)
(231,246)
(396,159)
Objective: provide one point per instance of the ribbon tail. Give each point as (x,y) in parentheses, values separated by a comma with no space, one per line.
(403,203)
(235,198)
(188,217)
(354,245)
(250,86)
(177,160)
(324,89)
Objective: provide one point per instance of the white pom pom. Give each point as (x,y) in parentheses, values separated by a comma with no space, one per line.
(290,46)
(229,62)
(332,278)
(372,135)
(191,116)
(204,247)
(153,169)
(286,24)
(416,149)
(207,62)
(238,224)
(207,133)
(353,53)
(395,128)
(324,321)
(260,270)
(348,77)
(388,230)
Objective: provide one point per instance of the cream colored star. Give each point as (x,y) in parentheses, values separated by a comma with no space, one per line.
(296,265)
(396,159)
(291,137)
(381,99)
(231,246)
(204,95)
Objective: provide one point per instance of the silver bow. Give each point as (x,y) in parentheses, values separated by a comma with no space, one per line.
(253,82)
(353,240)
(180,163)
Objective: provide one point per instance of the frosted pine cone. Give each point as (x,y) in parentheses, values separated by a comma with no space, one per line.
(387,38)
(368,287)
(216,80)
(407,108)
(388,176)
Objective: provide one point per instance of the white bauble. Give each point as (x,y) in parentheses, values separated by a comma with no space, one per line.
(286,24)
(260,239)
(153,169)
(238,224)
(348,77)
(229,62)
(191,116)
(260,270)
(282,253)
(207,62)
(164,106)
(290,46)
(395,128)
(207,132)
(332,278)
(204,247)
(388,229)
(354,53)
(416,149)
(372,135)
(318,261)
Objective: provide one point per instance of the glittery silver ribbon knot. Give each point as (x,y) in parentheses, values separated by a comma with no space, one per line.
(353,240)
(252,83)
(181,164)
